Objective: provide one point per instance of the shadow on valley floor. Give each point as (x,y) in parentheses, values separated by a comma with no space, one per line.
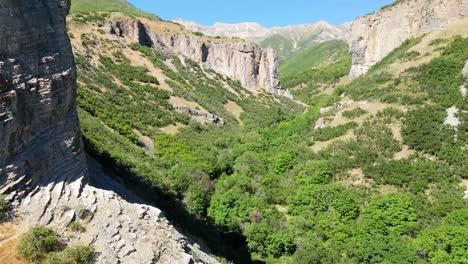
(232,246)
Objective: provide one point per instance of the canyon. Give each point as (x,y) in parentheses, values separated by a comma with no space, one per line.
(43,167)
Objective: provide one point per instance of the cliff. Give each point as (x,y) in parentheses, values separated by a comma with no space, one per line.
(43,167)
(247,63)
(373,37)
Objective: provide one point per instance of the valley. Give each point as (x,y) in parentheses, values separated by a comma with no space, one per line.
(237,143)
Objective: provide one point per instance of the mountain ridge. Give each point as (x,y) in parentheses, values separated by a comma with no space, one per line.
(287,40)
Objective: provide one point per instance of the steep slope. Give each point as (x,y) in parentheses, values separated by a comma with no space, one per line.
(108,6)
(374,36)
(291,40)
(286,41)
(314,72)
(42,163)
(321,55)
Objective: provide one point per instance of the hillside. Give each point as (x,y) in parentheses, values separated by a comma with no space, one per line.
(355,170)
(319,56)
(165,120)
(315,72)
(122,6)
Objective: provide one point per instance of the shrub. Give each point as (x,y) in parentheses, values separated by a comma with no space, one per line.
(354,113)
(327,133)
(4,207)
(71,255)
(38,242)
(76,226)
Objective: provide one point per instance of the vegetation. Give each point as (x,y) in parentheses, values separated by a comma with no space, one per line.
(4,207)
(123,6)
(308,73)
(321,55)
(350,114)
(77,254)
(254,189)
(42,244)
(38,242)
(76,226)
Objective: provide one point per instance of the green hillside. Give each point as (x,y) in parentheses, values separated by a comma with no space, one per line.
(316,70)
(322,55)
(283,46)
(289,46)
(369,174)
(108,6)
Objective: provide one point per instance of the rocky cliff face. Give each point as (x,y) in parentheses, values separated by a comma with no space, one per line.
(39,135)
(43,168)
(247,63)
(373,37)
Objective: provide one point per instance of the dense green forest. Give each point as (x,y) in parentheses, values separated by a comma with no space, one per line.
(257,178)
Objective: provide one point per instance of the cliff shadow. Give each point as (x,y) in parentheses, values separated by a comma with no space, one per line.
(107,174)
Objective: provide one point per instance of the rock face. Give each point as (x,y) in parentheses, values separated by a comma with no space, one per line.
(252,66)
(247,63)
(39,133)
(43,167)
(373,37)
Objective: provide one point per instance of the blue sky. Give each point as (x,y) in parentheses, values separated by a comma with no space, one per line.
(266,12)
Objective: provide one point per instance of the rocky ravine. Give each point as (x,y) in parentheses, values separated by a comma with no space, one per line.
(373,37)
(43,168)
(247,63)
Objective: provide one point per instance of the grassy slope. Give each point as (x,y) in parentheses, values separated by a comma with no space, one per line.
(321,55)
(283,46)
(311,72)
(108,6)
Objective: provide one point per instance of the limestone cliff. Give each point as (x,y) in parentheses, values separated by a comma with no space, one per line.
(43,167)
(373,37)
(247,63)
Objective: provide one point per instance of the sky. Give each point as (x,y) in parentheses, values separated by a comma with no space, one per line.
(265,12)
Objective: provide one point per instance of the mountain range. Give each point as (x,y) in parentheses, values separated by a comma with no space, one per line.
(287,41)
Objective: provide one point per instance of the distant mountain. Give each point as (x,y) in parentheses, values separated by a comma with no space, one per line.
(287,41)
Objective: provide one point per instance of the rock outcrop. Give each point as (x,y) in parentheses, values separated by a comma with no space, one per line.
(43,167)
(200,116)
(247,63)
(373,37)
